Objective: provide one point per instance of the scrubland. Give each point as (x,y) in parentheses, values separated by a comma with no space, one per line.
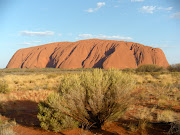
(88,101)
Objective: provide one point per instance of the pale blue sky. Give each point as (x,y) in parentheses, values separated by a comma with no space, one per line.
(26,23)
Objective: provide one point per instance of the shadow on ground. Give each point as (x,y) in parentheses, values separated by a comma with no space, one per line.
(160,128)
(24,112)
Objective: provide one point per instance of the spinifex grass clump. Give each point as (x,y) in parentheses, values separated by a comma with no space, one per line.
(92,98)
(3,87)
(6,127)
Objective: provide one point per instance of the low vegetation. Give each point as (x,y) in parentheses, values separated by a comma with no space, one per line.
(149,68)
(52,119)
(174,68)
(139,101)
(6,127)
(4,87)
(90,98)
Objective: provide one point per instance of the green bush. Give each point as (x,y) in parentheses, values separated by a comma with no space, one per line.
(174,68)
(92,98)
(52,119)
(4,87)
(149,68)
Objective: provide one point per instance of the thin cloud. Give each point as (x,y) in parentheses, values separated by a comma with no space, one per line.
(166,9)
(36,41)
(25,43)
(59,34)
(137,0)
(100,36)
(176,15)
(32,43)
(31,33)
(98,6)
(163,46)
(148,9)
(90,10)
(152,9)
(85,36)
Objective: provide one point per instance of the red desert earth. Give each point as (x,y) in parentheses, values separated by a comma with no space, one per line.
(90,53)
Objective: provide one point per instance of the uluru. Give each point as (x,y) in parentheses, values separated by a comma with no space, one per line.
(90,53)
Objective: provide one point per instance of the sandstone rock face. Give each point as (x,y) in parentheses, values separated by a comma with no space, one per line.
(91,53)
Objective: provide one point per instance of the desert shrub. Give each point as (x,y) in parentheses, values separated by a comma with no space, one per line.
(129,70)
(174,68)
(94,97)
(52,119)
(52,76)
(149,68)
(167,116)
(4,87)
(6,127)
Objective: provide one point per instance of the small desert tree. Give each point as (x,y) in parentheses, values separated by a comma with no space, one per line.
(174,68)
(94,97)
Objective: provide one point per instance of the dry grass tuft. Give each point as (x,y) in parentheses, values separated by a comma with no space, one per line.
(168,116)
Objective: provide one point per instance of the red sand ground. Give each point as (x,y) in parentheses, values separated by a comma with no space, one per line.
(25,112)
